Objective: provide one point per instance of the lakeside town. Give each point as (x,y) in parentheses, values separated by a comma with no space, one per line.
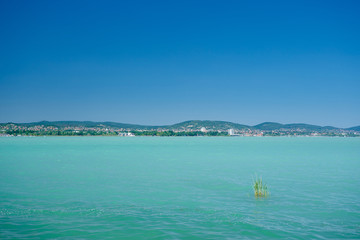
(12,129)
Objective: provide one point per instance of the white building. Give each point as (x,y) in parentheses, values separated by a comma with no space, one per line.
(231,132)
(203,129)
(127,134)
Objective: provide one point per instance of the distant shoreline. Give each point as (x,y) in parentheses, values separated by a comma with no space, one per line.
(115,136)
(188,128)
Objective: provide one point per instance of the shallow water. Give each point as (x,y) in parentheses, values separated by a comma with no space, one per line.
(178,188)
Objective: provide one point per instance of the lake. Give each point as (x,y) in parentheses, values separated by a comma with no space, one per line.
(179,188)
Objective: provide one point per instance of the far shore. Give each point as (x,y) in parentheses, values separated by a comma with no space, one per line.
(115,136)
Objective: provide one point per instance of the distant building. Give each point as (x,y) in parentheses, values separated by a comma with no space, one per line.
(126,134)
(203,129)
(231,132)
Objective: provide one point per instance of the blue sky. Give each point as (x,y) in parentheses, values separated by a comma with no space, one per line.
(162,62)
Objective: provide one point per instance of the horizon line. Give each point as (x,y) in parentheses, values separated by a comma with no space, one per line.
(158,125)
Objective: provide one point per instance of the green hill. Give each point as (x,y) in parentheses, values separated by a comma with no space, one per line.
(193,125)
(357,128)
(87,124)
(209,125)
(268,126)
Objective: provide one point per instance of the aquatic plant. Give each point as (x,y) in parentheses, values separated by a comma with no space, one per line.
(260,188)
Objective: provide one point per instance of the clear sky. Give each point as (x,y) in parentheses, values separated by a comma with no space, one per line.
(162,62)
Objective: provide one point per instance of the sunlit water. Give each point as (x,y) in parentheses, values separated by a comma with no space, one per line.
(178,188)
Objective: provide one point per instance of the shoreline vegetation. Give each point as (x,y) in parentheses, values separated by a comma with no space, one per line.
(188,128)
(16,133)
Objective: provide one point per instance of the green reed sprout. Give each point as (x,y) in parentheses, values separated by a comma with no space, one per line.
(260,188)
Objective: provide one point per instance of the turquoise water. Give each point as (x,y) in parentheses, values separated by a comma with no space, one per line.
(178,188)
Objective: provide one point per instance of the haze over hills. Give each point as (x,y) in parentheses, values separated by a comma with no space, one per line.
(276,126)
(357,128)
(214,125)
(187,125)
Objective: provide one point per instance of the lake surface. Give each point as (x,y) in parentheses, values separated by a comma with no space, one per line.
(179,188)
